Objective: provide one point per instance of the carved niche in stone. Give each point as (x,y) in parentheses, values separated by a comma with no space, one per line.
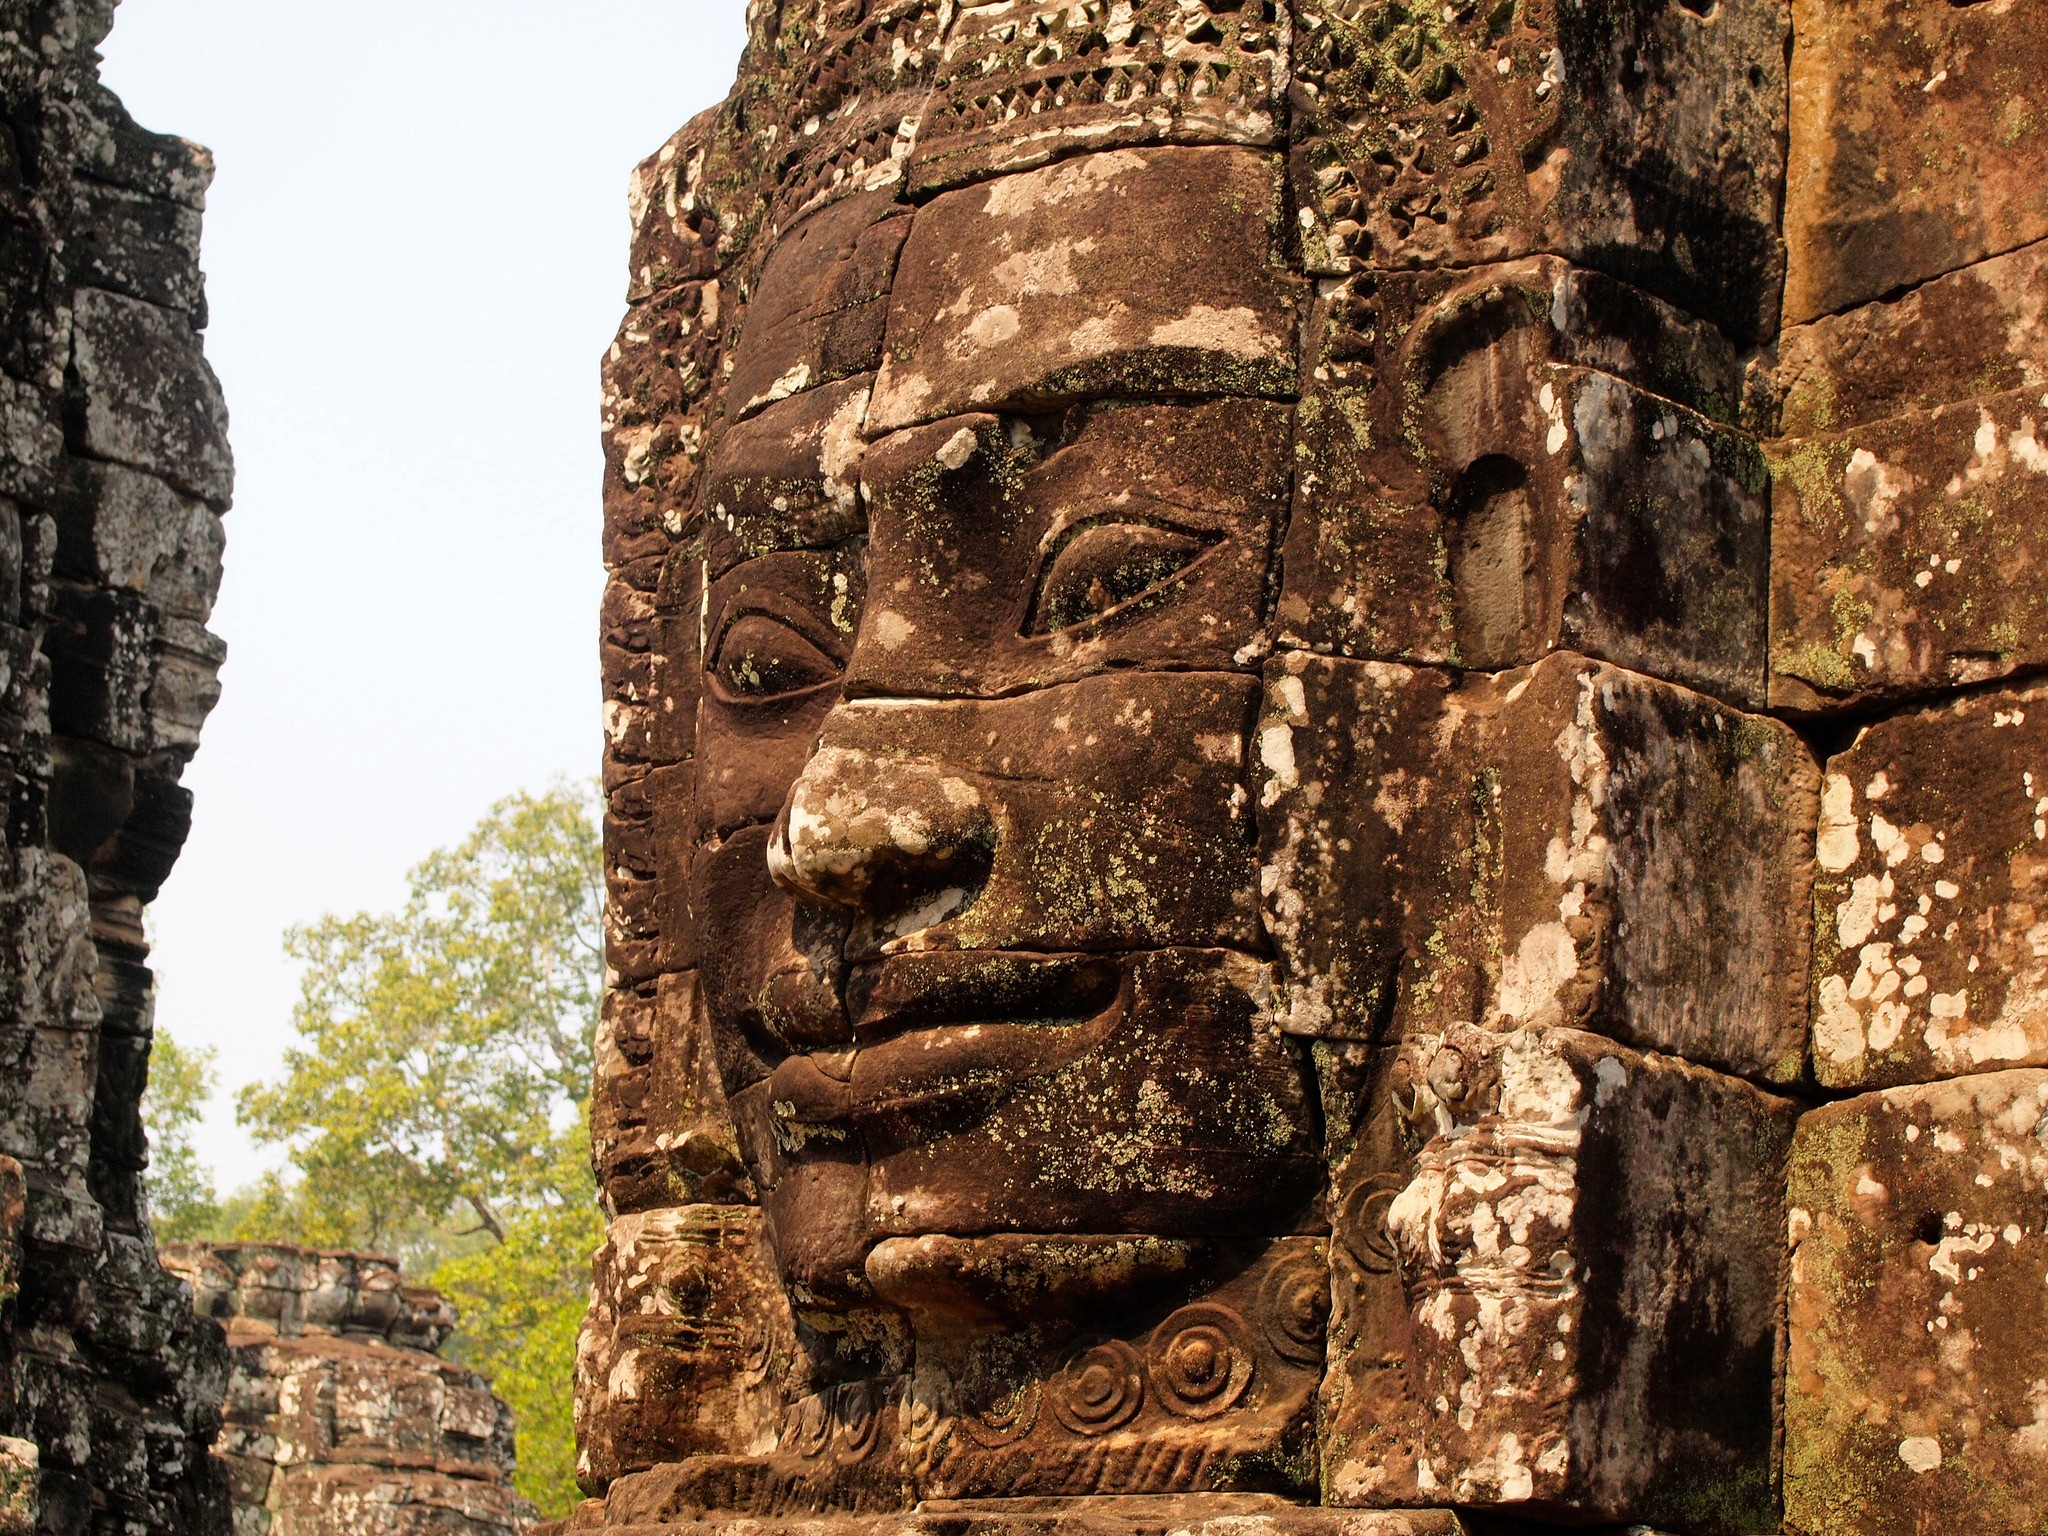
(1203,902)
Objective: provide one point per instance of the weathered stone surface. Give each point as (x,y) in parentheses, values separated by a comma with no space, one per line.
(340,1417)
(1136,271)
(114,469)
(1907,555)
(1217,1394)
(1588,1243)
(690,1343)
(1914,1391)
(1973,332)
(1931,902)
(660,1130)
(1513,474)
(291,1291)
(1198,852)
(147,397)
(1906,547)
(823,301)
(1021,82)
(1566,845)
(1130,535)
(1917,146)
(1198,1514)
(359,1501)
(845,89)
(1645,140)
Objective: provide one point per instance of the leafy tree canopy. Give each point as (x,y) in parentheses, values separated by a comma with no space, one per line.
(446,1044)
(436,1105)
(182,1196)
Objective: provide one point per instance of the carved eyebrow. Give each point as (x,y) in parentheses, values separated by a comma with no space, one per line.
(1143,508)
(772,594)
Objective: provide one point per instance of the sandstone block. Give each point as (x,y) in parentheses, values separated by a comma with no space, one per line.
(1931,901)
(661,382)
(1079,1141)
(1916,1391)
(1570,845)
(1974,332)
(1132,271)
(364,1403)
(661,1133)
(1005,860)
(1643,140)
(143,246)
(293,1291)
(1907,554)
(1917,145)
(1103,1353)
(846,92)
(675,228)
(132,532)
(1515,470)
(688,1346)
(823,299)
(1588,1243)
(146,395)
(1226,1514)
(363,1501)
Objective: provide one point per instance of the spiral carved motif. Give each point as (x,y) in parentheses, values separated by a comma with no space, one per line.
(1362,1224)
(1100,1389)
(1007,1420)
(1200,1361)
(1294,1304)
(809,1431)
(856,1423)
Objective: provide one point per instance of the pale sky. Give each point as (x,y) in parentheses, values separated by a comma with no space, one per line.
(415,256)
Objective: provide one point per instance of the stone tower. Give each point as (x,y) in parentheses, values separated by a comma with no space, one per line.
(1325,795)
(114,471)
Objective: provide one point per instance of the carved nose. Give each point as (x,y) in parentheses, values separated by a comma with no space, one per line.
(899,840)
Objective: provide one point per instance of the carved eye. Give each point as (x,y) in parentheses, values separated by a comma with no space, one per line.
(1101,566)
(761,657)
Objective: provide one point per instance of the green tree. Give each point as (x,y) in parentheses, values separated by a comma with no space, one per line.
(436,1106)
(183,1204)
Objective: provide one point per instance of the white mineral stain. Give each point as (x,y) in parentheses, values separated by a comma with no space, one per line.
(1238,332)
(840,449)
(1838,846)
(1276,752)
(991,328)
(1010,196)
(958,448)
(890,629)
(1920,1452)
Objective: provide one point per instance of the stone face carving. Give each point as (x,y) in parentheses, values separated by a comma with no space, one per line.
(114,473)
(1248,808)
(340,1417)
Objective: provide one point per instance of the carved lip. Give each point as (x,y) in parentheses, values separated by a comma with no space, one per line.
(934,1028)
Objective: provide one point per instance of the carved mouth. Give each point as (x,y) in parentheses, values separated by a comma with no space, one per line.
(942,1028)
